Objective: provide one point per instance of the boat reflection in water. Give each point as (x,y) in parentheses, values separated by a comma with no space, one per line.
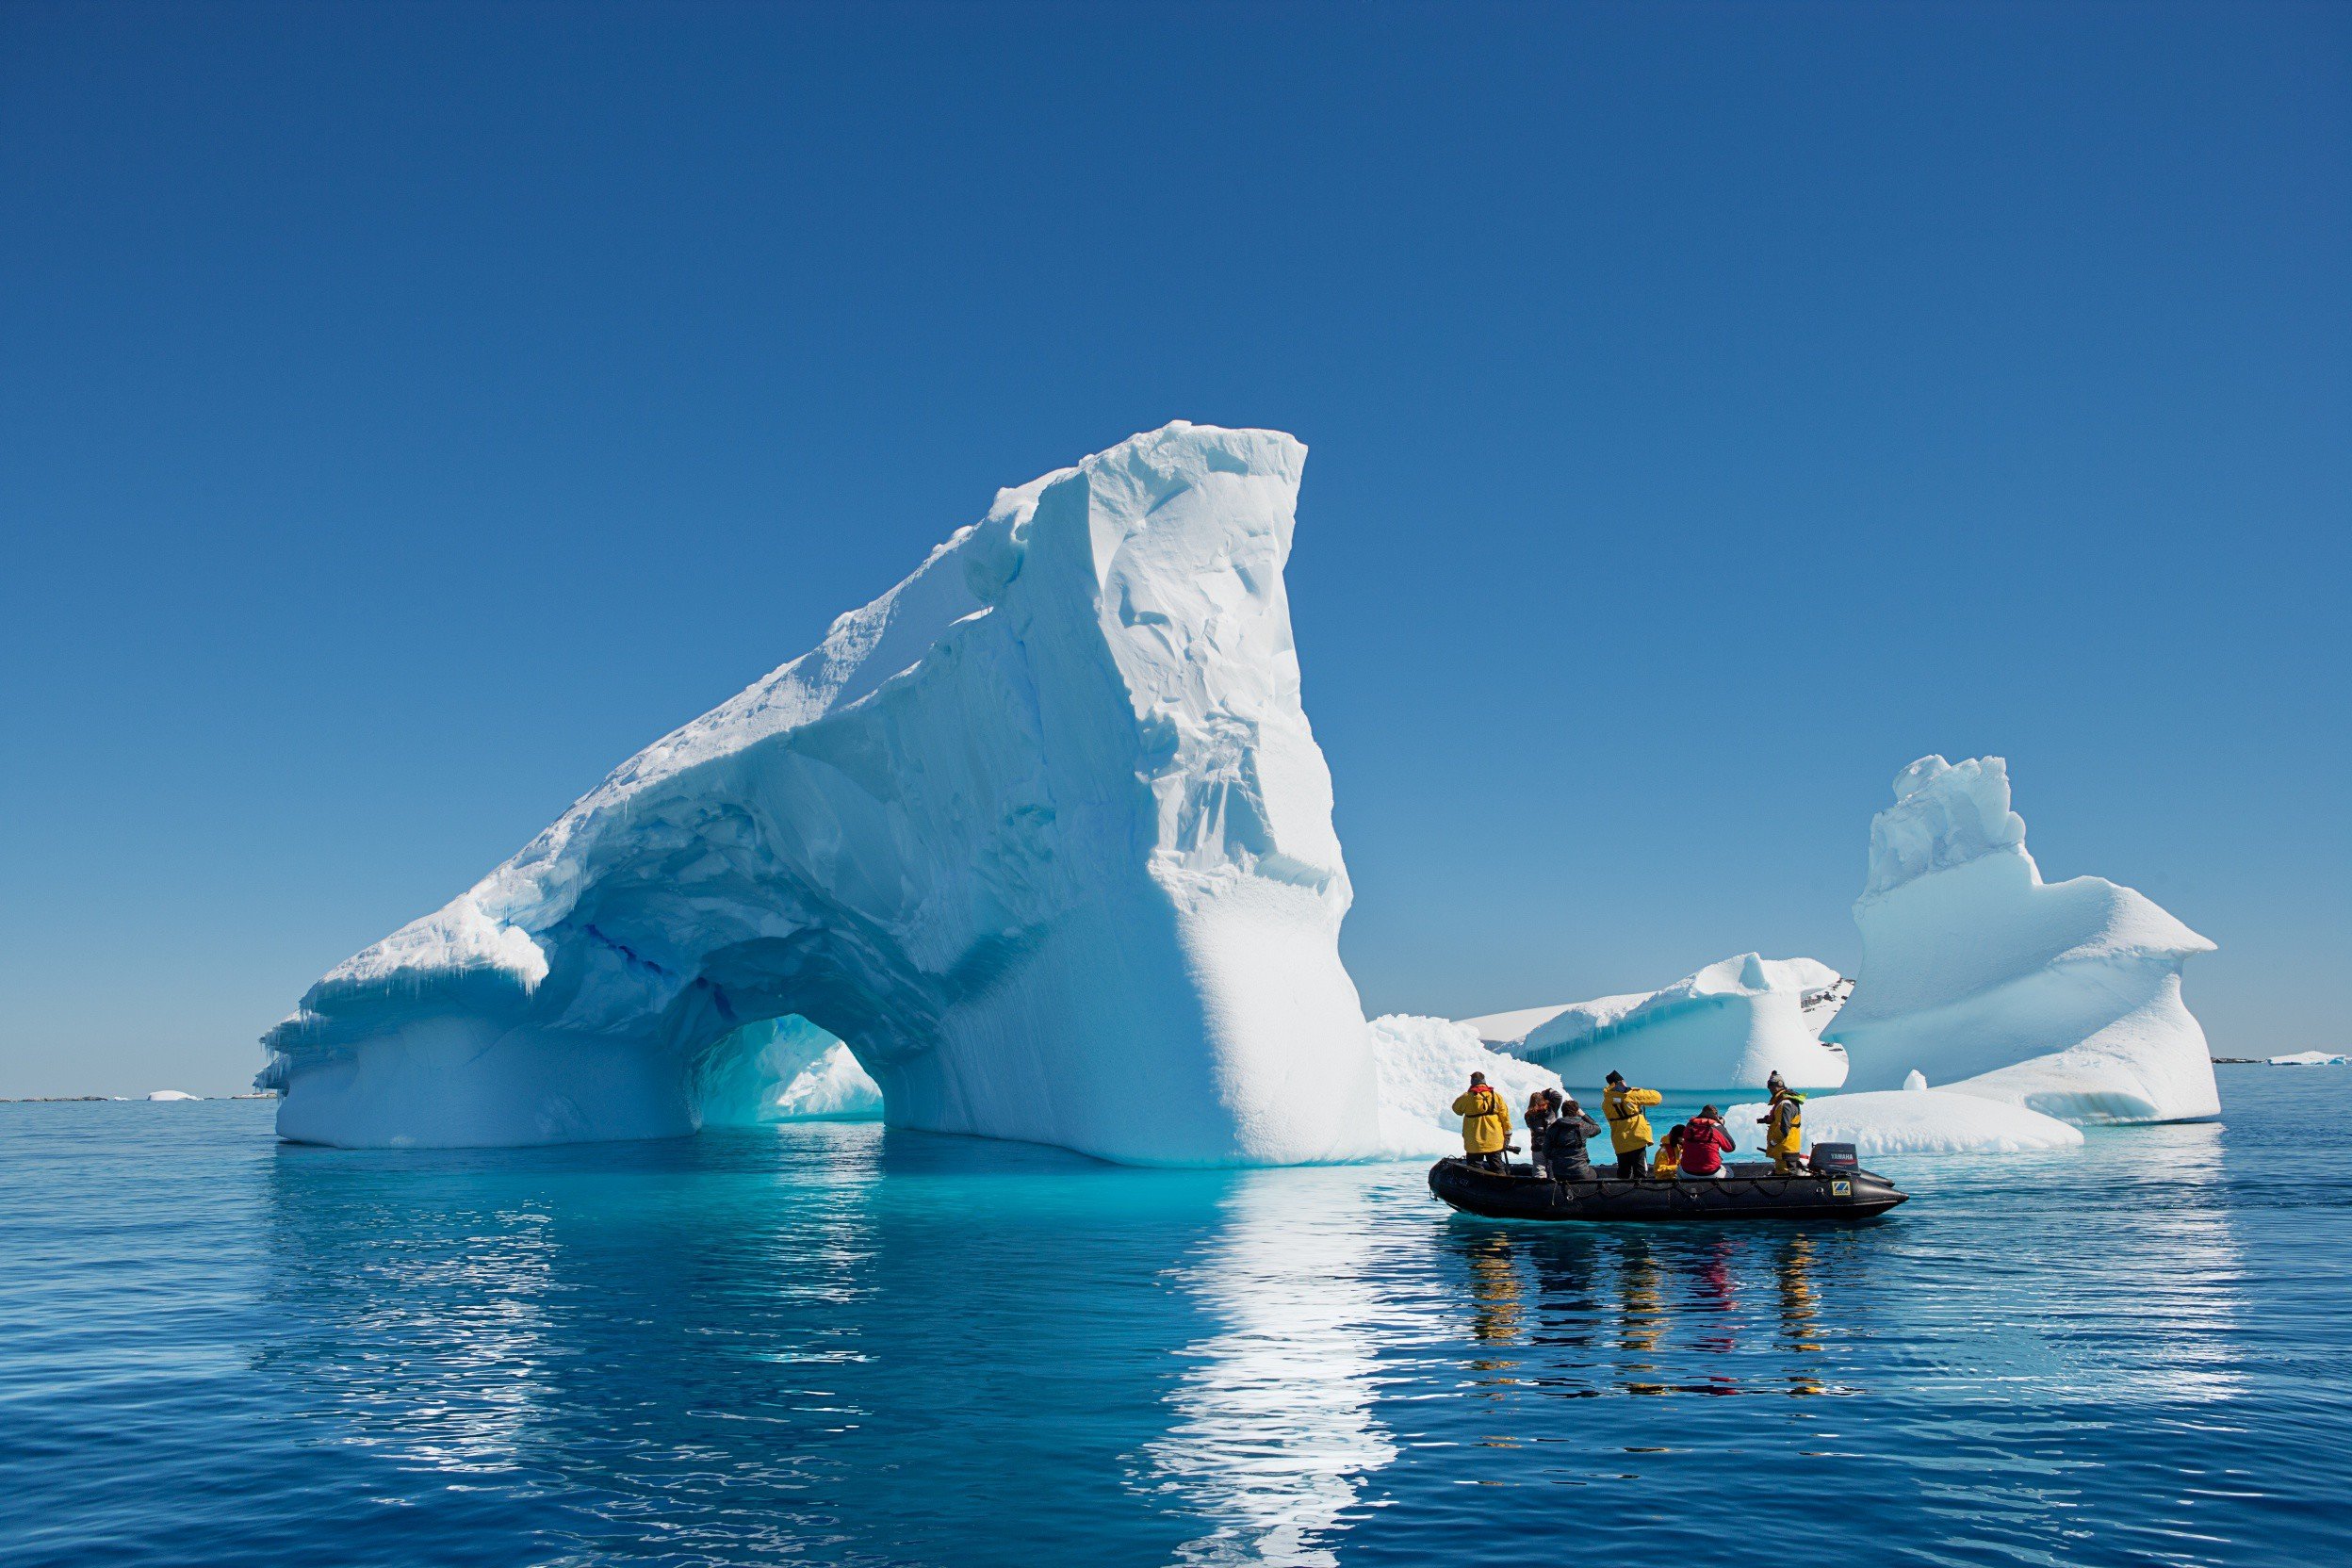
(1779,1308)
(1800,1306)
(1631,1310)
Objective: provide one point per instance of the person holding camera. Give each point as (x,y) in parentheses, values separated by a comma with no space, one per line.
(1628,1128)
(1485,1124)
(1560,1151)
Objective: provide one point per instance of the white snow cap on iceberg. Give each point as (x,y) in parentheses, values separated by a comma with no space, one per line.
(1042,834)
(1944,815)
(1730,1026)
(1424,1062)
(2062,997)
(1920,1122)
(173,1094)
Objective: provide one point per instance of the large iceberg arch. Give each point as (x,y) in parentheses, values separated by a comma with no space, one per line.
(1041,833)
(2064,997)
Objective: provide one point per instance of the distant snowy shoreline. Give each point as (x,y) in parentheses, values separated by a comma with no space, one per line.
(159,1099)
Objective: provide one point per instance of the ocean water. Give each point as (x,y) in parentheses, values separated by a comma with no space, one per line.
(841,1344)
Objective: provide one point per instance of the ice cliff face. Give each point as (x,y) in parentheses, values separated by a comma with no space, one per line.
(1730,1026)
(1042,834)
(2062,997)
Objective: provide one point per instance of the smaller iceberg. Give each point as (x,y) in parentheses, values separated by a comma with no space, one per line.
(2062,997)
(2309,1058)
(1731,1025)
(173,1094)
(1423,1064)
(1919,1122)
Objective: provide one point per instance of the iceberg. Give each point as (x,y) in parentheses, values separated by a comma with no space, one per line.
(2295,1058)
(1041,836)
(173,1094)
(1424,1062)
(2062,997)
(1917,1122)
(1730,1026)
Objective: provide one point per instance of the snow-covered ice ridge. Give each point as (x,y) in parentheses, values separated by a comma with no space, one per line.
(1730,1026)
(1917,1121)
(1041,833)
(2062,997)
(1424,1062)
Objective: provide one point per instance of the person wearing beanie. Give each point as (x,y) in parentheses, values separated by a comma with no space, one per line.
(1561,1153)
(1704,1145)
(1784,1127)
(1485,1123)
(1628,1128)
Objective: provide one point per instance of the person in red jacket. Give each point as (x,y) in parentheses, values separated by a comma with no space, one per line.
(1704,1145)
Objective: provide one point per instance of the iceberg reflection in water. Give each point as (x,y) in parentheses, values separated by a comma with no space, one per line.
(1273,1427)
(837,1344)
(461,1368)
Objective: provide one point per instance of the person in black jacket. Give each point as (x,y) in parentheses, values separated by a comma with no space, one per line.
(1562,1151)
(1542,1105)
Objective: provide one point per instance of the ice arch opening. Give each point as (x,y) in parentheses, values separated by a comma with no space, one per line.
(783,1070)
(1042,833)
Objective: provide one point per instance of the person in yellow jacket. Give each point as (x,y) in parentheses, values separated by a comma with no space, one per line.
(1784,1127)
(1628,1128)
(1669,1162)
(1485,1123)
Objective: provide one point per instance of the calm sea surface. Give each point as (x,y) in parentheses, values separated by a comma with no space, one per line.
(839,1345)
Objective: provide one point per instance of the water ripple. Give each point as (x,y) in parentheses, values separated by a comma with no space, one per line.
(839,1345)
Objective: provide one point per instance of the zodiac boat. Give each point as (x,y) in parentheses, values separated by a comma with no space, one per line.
(1836,1188)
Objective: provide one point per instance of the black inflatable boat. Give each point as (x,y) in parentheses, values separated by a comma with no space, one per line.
(1745,1191)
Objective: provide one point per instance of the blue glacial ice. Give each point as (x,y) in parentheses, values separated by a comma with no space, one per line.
(1042,834)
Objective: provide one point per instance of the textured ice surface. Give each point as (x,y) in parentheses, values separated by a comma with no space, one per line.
(1730,1026)
(1424,1062)
(832,1086)
(2064,997)
(1916,1121)
(1041,833)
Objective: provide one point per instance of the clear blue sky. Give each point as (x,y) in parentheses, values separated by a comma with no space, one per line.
(410,411)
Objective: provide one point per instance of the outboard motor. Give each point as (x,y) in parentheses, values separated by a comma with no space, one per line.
(1835,1156)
